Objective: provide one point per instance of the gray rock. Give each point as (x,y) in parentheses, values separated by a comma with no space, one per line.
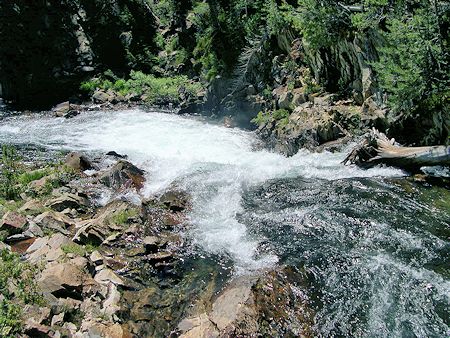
(78,162)
(285,100)
(100,96)
(123,174)
(13,222)
(61,109)
(96,258)
(106,276)
(69,201)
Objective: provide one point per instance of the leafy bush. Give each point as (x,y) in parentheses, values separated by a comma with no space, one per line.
(157,90)
(262,118)
(9,173)
(123,217)
(30,176)
(78,250)
(21,275)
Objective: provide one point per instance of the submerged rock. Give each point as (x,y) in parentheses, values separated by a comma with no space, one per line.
(272,305)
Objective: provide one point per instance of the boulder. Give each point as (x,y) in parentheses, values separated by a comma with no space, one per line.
(42,185)
(61,109)
(65,109)
(123,174)
(101,96)
(91,234)
(32,207)
(111,304)
(106,276)
(285,100)
(47,248)
(13,223)
(69,201)
(175,201)
(96,258)
(65,279)
(272,305)
(54,221)
(78,162)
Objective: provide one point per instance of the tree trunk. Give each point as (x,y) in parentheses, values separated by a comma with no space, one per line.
(378,149)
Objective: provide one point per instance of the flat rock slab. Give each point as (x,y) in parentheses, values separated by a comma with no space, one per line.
(13,222)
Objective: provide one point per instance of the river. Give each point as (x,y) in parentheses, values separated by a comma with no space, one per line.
(374,246)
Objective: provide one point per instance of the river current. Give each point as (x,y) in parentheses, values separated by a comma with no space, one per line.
(373,246)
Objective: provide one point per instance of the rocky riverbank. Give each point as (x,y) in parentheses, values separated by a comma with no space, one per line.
(99,260)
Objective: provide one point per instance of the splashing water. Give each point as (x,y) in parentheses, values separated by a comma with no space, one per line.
(213,163)
(375,252)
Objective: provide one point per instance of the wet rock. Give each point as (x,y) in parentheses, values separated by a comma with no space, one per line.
(61,109)
(160,257)
(69,201)
(272,305)
(137,251)
(13,222)
(78,162)
(123,174)
(176,201)
(151,244)
(65,109)
(116,155)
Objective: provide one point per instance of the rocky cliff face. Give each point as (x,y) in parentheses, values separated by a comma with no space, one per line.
(345,66)
(49,46)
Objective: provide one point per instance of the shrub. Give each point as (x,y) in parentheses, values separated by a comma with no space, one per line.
(123,217)
(9,173)
(31,176)
(15,272)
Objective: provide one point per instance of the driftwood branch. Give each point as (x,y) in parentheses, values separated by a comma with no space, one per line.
(378,149)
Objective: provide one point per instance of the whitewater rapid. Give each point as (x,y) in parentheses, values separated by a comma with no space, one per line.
(213,163)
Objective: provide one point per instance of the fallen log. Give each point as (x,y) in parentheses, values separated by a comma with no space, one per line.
(376,149)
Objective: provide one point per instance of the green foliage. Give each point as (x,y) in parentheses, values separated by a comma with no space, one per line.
(78,250)
(280,114)
(280,117)
(124,216)
(413,68)
(157,90)
(9,173)
(262,118)
(31,176)
(18,287)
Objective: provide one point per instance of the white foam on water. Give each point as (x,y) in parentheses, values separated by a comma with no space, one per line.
(215,164)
